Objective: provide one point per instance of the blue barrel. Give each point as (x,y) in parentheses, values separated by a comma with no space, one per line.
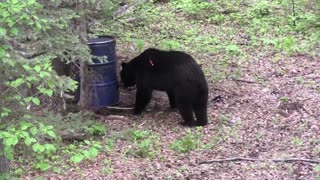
(103,86)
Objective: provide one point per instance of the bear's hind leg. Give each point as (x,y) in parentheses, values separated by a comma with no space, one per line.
(143,97)
(187,114)
(201,115)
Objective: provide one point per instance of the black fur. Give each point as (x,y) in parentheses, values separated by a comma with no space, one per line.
(175,72)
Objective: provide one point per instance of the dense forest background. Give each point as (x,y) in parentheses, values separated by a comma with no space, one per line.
(261,59)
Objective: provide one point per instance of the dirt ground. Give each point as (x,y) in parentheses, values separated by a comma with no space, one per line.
(273,112)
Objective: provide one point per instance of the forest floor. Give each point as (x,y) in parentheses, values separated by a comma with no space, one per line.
(277,117)
(270,112)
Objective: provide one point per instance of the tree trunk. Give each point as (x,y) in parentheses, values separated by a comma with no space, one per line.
(4,163)
(82,30)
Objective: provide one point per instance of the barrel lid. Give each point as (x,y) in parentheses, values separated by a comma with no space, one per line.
(101,40)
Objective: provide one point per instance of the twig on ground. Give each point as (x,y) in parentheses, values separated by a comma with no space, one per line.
(245,81)
(115,117)
(226,91)
(253,159)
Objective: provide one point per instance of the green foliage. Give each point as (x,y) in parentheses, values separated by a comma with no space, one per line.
(90,150)
(32,35)
(261,9)
(96,129)
(81,122)
(26,133)
(106,169)
(219,34)
(192,7)
(191,141)
(145,144)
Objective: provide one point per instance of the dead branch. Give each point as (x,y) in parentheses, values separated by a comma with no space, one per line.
(29,55)
(24,50)
(245,81)
(74,136)
(253,159)
(231,92)
(116,117)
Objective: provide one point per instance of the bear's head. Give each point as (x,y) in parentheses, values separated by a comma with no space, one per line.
(127,75)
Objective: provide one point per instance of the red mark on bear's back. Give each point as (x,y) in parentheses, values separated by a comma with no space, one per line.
(151,62)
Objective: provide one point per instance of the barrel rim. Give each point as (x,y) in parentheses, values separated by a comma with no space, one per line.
(111,39)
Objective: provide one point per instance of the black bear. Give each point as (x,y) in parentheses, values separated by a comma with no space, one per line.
(175,72)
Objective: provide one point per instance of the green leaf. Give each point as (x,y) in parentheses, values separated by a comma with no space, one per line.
(36,101)
(34,131)
(93,152)
(28,99)
(14,31)
(37,68)
(87,142)
(10,141)
(38,148)
(26,67)
(43,166)
(3,31)
(38,25)
(5,112)
(28,141)
(44,74)
(2,52)
(51,134)
(86,154)
(77,158)
(49,92)
(16,83)
(25,125)
(57,170)
(51,84)
(4,13)
(50,147)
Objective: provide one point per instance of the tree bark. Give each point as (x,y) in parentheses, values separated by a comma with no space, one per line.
(4,162)
(82,30)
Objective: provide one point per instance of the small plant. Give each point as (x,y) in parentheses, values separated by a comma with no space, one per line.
(139,135)
(109,144)
(299,79)
(170,44)
(233,50)
(145,144)
(106,169)
(145,149)
(140,44)
(190,141)
(297,141)
(96,129)
(90,150)
(284,99)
